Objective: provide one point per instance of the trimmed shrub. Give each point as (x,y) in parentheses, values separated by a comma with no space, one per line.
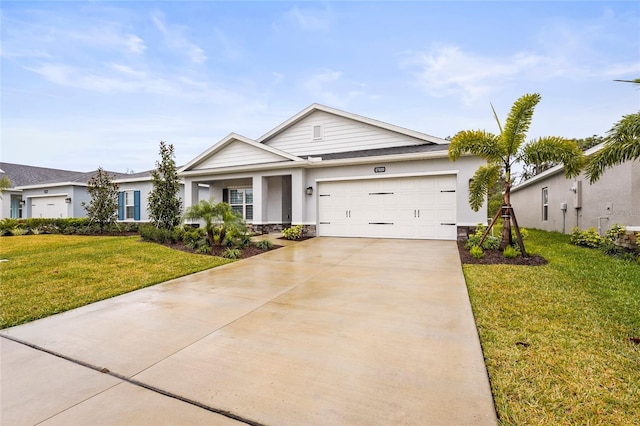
(588,238)
(476,252)
(293,233)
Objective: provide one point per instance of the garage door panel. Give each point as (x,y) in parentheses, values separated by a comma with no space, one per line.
(49,207)
(417,207)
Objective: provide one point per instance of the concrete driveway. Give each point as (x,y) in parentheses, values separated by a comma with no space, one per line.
(327,331)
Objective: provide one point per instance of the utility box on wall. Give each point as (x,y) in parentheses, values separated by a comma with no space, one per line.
(577,194)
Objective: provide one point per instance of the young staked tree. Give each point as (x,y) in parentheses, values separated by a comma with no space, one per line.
(103,207)
(505,149)
(165,205)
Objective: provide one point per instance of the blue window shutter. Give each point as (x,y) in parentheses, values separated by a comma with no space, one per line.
(120,205)
(136,205)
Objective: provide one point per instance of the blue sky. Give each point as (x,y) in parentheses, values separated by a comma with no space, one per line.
(88,84)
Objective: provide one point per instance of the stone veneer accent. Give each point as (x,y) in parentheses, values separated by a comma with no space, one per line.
(629,240)
(308,230)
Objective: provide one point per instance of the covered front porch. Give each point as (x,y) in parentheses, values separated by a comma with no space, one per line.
(268,202)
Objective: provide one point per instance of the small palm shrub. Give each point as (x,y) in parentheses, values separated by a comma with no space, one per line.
(264,244)
(510,252)
(232,253)
(293,233)
(476,252)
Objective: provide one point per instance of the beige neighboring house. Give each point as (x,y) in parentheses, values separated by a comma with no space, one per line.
(339,174)
(551,202)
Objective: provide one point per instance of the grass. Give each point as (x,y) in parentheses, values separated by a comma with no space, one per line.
(558,339)
(47,274)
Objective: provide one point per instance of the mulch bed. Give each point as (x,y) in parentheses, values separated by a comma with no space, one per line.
(217,251)
(495,257)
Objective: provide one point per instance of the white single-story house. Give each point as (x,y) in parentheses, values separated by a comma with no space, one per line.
(550,202)
(334,172)
(339,174)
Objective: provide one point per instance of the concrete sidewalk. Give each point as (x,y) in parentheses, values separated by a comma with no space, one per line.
(327,331)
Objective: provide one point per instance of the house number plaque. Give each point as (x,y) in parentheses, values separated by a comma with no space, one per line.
(379,169)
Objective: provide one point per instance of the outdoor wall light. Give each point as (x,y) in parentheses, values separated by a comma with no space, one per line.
(309,190)
(67,200)
(22,203)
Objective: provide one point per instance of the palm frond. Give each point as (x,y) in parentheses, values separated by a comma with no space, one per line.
(622,144)
(484,178)
(495,115)
(557,150)
(518,123)
(476,142)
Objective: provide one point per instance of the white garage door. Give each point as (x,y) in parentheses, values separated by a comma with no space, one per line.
(50,207)
(416,207)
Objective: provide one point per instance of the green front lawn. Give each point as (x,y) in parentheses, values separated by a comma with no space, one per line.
(560,340)
(47,274)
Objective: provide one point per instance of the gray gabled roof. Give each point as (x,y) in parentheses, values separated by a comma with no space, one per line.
(21,175)
(411,149)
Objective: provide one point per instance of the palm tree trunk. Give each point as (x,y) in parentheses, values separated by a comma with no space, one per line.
(506,239)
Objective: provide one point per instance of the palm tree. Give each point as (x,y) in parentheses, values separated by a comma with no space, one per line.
(219,218)
(621,144)
(504,150)
(5,184)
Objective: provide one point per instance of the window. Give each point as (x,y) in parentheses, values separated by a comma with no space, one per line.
(241,201)
(545,203)
(129,205)
(317,132)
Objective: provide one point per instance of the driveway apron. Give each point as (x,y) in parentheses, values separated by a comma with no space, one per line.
(329,331)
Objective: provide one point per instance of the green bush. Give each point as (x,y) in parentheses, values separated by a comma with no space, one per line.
(615,232)
(293,233)
(69,226)
(588,238)
(195,238)
(510,252)
(489,243)
(476,252)
(160,235)
(264,244)
(232,253)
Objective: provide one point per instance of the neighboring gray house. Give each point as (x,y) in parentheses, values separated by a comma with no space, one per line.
(53,193)
(339,174)
(551,202)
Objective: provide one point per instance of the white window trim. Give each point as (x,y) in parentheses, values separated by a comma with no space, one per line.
(313,132)
(129,196)
(545,204)
(244,200)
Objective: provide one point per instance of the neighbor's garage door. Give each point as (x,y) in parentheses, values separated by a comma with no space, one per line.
(51,207)
(416,207)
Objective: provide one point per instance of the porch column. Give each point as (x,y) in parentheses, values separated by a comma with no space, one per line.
(190,193)
(297,196)
(260,199)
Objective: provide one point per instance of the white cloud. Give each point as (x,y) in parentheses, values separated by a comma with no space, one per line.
(308,19)
(177,40)
(329,87)
(449,70)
